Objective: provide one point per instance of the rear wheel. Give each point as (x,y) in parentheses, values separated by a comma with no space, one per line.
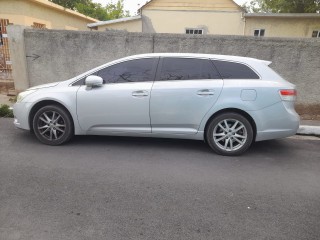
(52,125)
(229,134)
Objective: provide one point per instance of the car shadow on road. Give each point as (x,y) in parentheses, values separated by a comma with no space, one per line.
(268,147)
(271,147)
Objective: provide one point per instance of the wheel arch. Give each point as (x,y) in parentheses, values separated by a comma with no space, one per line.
(44,103)
(232,110)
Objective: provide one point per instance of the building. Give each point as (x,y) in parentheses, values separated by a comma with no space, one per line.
(40,14)
(297,25)
(182,16)
(221,17)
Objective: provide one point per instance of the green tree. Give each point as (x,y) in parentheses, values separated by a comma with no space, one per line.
(95,10)
(117,10)
(283,6)
(71,4)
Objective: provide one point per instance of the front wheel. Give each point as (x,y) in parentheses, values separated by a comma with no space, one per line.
(52,125)
(229,134)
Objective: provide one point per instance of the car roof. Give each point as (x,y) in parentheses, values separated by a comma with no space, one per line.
(198,55)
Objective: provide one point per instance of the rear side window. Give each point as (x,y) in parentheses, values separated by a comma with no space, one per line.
(232,70)
(139,70)
(187,69)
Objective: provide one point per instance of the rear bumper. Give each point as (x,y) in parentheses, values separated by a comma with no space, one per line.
(277,121)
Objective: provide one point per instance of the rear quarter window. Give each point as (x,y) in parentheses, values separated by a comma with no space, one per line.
(233,70)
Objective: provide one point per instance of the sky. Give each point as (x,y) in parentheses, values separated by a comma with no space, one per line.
(133,5)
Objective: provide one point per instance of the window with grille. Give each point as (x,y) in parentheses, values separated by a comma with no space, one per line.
(38,25)
(259,32)
(316,34)
(194,31)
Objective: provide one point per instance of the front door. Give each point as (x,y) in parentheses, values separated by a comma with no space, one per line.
(121,105)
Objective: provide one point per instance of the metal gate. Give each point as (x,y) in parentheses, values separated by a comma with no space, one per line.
(5,63)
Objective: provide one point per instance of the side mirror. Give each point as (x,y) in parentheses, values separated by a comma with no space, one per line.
(93,81)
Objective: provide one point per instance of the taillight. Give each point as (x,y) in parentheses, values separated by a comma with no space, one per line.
(288,94)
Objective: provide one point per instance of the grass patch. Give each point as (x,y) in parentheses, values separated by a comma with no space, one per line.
(5,111)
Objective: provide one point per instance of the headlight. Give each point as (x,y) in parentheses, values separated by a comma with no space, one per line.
(22,95)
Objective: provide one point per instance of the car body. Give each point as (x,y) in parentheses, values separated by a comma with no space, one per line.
(169,95)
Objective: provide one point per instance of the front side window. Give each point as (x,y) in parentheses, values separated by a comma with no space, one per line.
(233,70)
(259,32)
(187,69)
(139,70)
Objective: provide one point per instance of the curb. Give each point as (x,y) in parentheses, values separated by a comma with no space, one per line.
(309,130)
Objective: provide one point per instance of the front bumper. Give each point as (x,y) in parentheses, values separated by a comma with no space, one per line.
(21,115)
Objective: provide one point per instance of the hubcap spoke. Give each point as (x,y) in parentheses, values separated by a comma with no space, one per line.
(46,116)
(231,144)
(42,133)
(223,128)
(44,120)
(239,136)
(56,120)
(239,128)
(219,134)
(234,125)
(45,126)
(237,140)
(59,129)
(54,133)
(226,124)
(222,138)
(226,143)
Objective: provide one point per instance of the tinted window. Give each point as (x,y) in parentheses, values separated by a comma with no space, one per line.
(232,70)
(140,70)
(187,68)
(79,82)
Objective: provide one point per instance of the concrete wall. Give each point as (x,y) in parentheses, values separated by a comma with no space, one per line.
(21,12)
(64,54)
(283,27)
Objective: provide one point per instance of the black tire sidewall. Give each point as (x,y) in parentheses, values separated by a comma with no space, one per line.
(67,118)
(218,119)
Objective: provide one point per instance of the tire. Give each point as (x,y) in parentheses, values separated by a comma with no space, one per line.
(53,125)
(229,134)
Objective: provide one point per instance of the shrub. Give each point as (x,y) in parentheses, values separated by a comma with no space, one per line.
(5,111)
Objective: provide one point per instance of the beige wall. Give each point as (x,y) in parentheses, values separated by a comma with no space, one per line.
(213,22)
(26,12)
(129,26)
(199,5)
(283,27)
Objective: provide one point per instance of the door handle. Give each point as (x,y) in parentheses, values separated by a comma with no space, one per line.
(140,93)
(205,92)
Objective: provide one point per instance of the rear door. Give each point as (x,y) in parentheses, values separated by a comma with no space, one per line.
(184,91)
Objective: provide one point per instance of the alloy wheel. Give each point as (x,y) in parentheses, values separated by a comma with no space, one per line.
(230,135)
(51,125)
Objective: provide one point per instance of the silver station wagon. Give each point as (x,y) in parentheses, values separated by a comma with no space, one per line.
(227,101)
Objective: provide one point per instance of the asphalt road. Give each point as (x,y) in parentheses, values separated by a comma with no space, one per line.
(138,188)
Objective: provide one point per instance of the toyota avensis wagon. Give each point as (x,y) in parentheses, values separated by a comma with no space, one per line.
(227,101)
